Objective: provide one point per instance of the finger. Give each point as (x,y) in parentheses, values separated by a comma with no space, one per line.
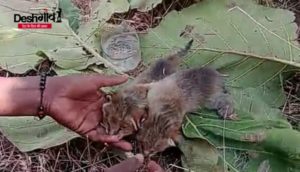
(108,80)
(99,137)
(122,145)
(154,167)
(128,165)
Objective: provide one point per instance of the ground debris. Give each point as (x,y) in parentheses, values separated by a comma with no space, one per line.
(292,5)
(142,21)
(291,109)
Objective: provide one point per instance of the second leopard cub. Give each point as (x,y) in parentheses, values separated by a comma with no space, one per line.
(172,97)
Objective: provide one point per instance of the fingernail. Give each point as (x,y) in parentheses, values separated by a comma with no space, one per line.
(154,167)
(120,136)
(114,138)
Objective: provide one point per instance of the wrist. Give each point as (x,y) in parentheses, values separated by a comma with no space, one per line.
(19,96)
(50,92)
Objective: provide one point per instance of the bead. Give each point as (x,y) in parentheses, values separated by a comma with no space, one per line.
(41,114)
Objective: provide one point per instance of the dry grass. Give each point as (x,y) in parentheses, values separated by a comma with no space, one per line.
(291,108)
(142,21)
(292,5)
(78,155)
(82,155)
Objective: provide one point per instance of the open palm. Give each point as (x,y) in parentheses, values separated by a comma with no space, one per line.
(76,102)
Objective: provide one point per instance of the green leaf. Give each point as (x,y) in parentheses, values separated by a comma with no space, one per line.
(270,137)
(58,44)
(199,155)
(256,47)
(223,42)
(19,47)
(89,31)
(71,13)
(144,5)
(28,134)
(274,138)
(20,52)
(253,161)
(71,58)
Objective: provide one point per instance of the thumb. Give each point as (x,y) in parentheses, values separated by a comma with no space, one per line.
(105,80)
(128,165)
(154,167)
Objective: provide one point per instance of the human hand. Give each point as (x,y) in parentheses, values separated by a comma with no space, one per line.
(76,102)
(154,167)
(134,163)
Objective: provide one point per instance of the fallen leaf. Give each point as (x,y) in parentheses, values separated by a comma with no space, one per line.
(144,5)
(256,54)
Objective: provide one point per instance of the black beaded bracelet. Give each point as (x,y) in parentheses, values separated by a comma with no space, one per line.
(41,113)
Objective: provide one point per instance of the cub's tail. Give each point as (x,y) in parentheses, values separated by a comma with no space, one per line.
(183,51)
(169,65)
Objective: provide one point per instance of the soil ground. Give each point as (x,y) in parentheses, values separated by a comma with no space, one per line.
(80,155)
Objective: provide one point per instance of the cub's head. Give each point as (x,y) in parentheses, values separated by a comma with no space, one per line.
(124,110)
